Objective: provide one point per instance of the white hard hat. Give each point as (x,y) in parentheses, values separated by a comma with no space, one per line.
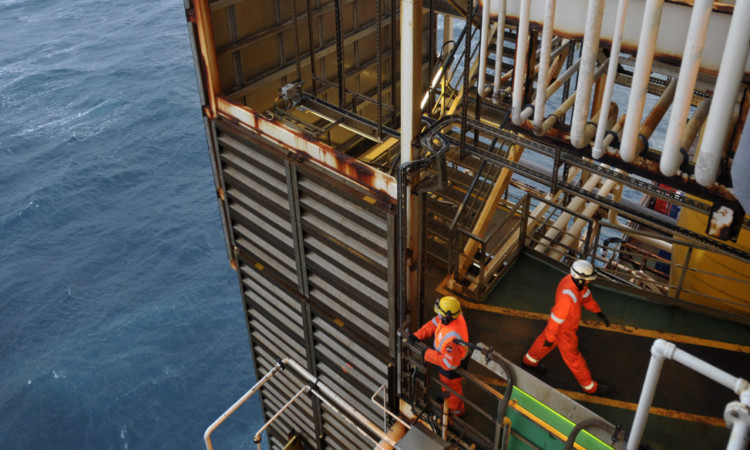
(582,270)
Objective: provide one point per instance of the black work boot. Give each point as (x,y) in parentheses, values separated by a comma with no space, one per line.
(539,368)
(601,389)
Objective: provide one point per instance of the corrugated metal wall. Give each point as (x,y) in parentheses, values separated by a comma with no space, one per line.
(318,278)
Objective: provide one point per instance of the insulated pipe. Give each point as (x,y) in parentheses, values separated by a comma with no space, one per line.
(557,116)
(499,44)
(484,42)
(641,76)
(614,57)
(586,75)
(654,117)
(661,350)
(522,47)
(696,38)
(447,28)
(544,61)
(551,89)
(727,84)
(575,205)
(573,234)
(692,129)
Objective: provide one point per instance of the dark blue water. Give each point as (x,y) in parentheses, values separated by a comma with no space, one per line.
(121,323)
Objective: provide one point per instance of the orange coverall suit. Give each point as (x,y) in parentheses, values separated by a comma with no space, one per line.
(447,355)
(562,331)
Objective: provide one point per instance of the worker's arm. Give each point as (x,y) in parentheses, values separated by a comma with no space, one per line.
(589,303)
(427,330)
(449,359)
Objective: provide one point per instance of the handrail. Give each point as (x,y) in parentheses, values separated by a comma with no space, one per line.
(324,393)
(661,350)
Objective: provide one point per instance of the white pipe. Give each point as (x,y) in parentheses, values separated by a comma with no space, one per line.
(544,60)
(738,439)
(522,47)
(622,8)
(499,44)
(639,85)
(408,109)
(658,350)
(586,75)
(447,28)
(727,84)
(696,38)
(661,350)
(484,42)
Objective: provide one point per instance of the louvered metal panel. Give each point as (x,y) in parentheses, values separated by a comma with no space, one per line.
(317,270)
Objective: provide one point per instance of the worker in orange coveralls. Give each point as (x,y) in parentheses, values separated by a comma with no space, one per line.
(446,354)
(562,326)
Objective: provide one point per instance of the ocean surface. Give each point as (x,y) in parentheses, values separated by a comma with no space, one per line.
(121,322)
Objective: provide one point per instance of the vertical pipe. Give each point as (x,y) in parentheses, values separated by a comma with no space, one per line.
(312,47)
(499,45)
(519,72)
(696,39)
(544,59)
(728,82)
(411,83)
(622,9)
(447,28)
(296,40)
(208,54)
(738,439)
(639,86)
(647,394)
(379,56)
(339,54)
(589,54)
(484,42)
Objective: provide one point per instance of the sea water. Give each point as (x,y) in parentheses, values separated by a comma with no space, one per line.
(121,321)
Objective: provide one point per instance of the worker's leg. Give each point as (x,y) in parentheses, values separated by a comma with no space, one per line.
(455,404)
(572,356)
(538,351)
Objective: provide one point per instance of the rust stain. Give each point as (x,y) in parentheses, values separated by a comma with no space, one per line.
(382,186)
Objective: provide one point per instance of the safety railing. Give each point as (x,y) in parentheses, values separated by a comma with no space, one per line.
(665,266)
(314,387)
(498,418)
(500,245)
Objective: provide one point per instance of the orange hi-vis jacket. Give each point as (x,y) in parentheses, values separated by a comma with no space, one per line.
(566,314)
(447,355)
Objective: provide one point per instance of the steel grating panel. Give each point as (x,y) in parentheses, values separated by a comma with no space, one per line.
(317,278)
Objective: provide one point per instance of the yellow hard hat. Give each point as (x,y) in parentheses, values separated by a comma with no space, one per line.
(448,306)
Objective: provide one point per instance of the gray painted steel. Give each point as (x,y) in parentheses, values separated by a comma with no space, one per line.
(318,283)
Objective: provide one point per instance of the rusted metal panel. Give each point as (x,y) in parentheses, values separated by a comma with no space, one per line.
(380,184)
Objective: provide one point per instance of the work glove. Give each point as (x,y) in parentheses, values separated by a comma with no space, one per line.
(412,339)
(604,318)
(547,343)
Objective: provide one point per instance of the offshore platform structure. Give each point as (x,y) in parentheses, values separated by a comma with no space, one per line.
(367,153)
